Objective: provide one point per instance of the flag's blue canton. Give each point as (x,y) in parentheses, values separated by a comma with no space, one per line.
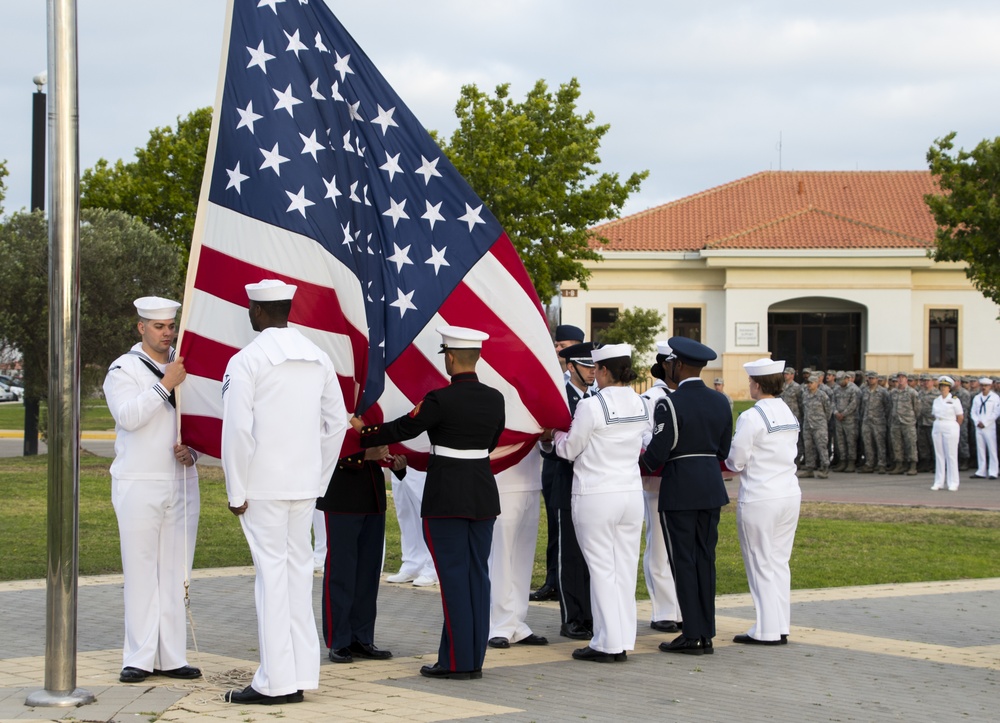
(313,139)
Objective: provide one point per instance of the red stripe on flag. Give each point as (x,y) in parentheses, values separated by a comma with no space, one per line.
(204,357)
(509,356)
(202,433)
(504,252)
(414,374)
(315,306)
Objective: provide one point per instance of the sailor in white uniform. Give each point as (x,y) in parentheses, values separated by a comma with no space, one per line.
(417,564)
(283,424)
(984,412)
(154,490)
(948,417)
(604,442)
(763,451)
(666,611)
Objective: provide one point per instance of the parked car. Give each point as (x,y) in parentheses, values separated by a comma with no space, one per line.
(16,386)
(6,395)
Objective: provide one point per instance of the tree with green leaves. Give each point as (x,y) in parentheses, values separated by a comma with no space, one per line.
(638,327)
(162,185)
(120,260)
(967,211)
(533,164)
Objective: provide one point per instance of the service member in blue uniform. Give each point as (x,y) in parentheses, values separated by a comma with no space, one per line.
(577,620)
(693,433)
(354,511)
(566,336)
(463,421)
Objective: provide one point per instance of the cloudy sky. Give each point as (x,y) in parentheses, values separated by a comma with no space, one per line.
(697,93)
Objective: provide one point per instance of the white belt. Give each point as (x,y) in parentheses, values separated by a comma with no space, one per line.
(442,451)
(683,456)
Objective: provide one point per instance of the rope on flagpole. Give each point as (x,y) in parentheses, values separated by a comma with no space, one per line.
(187,564)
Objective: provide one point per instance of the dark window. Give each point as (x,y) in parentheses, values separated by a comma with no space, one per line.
(687,322)
(601,319)
(820,340)
(942,336)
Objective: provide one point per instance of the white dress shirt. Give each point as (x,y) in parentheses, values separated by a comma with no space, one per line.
(763,451)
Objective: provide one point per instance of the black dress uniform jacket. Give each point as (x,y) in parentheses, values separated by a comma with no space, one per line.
(357,487)
(467,414)
(562,480)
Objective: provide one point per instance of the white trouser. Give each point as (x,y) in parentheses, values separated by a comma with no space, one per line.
(151,525)
(656,563)
(945,434)
(319,538)
(407,495)
(986,450)
(512,559)
(609,528)
(277,532)
(767,530)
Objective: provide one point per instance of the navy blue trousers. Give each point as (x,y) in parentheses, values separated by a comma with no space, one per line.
(351,577)
(691,537)
(574,575)
(460,549)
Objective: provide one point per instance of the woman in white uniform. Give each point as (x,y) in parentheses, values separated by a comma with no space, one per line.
(767,510)
(604,443)
(948,417)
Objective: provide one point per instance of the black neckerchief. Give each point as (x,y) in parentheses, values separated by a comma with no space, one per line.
(148,363)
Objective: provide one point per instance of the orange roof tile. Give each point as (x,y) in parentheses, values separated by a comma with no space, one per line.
(787,210)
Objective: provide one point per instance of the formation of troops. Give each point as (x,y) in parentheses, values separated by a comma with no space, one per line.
(289,447)
(865,422)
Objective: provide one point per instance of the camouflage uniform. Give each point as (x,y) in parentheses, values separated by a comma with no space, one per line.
(925,423)
(791,394)
(875,407)
(963,396)
(845,406)
(815,414)
(903,429)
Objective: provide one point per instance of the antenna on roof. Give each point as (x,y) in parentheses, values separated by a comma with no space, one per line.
(778,147)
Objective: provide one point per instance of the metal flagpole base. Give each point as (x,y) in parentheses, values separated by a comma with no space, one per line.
(53,699)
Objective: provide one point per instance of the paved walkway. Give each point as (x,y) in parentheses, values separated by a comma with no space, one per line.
(913,652)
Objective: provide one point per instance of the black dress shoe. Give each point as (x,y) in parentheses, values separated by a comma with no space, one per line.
(296,697)
(576,631)
(368,651)
(133,675)
(436,671)
(784,639)
(185,672)
(706,643)
(977,476)
(545,592)
(621,657)
(498,642)
(588,653)
(664,626)
(533,640)
(747,640)
(341,655)
(686,646)
(250,696)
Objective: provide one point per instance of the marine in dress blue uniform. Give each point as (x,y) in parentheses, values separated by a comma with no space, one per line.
(463,421)
(693,433)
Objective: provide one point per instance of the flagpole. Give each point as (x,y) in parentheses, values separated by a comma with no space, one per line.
(64,366)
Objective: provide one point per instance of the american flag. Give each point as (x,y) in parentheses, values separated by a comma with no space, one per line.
(319,175)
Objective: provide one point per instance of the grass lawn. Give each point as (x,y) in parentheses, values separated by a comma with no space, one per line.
(836,545)
(94,415)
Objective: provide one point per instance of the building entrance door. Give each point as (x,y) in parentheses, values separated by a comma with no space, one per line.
(819,340)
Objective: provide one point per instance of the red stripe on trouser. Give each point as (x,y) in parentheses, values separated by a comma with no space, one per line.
(444,600)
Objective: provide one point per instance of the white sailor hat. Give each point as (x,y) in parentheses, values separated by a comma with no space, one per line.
(270,290)
(719,380)
(663,348)
(945,379)
(985,380)
(156,308)
(460,337)
(611,351)
(764,367)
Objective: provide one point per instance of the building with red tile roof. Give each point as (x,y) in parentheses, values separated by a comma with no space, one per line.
(828,269)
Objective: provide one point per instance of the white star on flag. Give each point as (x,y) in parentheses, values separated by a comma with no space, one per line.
(311,145)
(396,211)
(259,57)
(294,44)
(271,4)
(331,190)
(299,202)
(403,302)
(352,108)
(236,178)
(335,92)
(354,195)
(314,90)
(347,234)
(391,166)
(342,67)
(272,159)
(286,100)
(428,169)
(384,119)
(247,117)
(319,44)
(400,257)
(437,259)
(433,214)
(471,216)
